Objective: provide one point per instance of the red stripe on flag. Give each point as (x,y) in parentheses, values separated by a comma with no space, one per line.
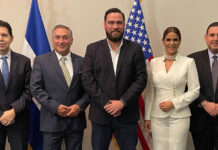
(150,58)
(142,139)
(142,106)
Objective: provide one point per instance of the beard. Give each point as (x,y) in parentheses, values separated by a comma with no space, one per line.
(115,39)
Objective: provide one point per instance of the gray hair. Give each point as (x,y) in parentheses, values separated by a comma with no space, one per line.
(63,26)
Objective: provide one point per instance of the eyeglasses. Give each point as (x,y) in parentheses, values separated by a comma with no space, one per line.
(115,22)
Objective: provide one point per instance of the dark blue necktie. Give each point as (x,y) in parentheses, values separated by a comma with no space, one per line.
(5,70)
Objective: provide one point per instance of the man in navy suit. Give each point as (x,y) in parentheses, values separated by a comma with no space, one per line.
(114,75)
(56,85)
(14,93)
(204,119)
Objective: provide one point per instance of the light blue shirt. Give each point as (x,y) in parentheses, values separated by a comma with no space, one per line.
(210,54)
(8,60)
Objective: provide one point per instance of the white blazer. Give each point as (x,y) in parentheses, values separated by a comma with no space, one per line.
(163,86)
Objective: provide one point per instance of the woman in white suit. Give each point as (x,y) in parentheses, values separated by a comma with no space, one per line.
(167,100)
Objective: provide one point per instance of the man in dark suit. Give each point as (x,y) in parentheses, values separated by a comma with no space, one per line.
(204,119)
(114,75)
(56,85)
(14,93)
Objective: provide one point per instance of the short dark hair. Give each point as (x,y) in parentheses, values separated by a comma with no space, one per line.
(172,29)
(214,24)
(6,25)
(63,26)
(113,10)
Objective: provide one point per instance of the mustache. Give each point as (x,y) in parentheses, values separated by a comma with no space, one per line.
(116,30)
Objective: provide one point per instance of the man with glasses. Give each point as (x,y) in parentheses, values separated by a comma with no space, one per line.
(114,75)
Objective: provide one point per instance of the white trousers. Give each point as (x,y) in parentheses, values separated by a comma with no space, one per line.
(170,133)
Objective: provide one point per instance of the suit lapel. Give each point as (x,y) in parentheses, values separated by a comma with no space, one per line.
(2,81)
(74,60)
(107,54)
(207,67)
(13,67)
(121,57)
(55,62)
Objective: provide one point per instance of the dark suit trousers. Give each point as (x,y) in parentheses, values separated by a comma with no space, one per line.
(17,137)
(208,139)
(73,140)
(126,135)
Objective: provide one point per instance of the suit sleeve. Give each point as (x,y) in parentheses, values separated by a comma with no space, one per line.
(193,88)
(1,113)
(20,104)
(201,97)
(37,88)
(148,93)
(89,81)
(137,87)
(84,101)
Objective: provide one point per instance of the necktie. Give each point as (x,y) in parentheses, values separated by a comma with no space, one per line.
(65,70)
(215,72)
(5,70)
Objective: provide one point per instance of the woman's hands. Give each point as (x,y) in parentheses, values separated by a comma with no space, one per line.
(166,105)
(147,125)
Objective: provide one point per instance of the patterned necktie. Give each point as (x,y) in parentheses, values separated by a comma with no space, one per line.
(215,72)
(65,70)
(5,70)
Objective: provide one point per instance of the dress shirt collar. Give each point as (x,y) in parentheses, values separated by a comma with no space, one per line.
(68,56)
(210,54)
(111,47)
(8,55)
(8,60)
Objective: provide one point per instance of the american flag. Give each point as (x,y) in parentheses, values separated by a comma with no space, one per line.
(136,32)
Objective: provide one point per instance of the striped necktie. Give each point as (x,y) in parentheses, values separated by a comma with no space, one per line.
(5,70)
(215,72)
(65,70)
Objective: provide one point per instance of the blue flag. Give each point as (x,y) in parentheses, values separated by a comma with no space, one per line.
(35,43)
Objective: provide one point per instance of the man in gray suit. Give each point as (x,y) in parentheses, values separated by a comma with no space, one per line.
(56,85)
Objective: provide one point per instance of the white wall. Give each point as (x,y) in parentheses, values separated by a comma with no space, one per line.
(85,18)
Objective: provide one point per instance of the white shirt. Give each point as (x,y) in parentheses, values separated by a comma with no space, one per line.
(115,55)
(8,60)
(68,62)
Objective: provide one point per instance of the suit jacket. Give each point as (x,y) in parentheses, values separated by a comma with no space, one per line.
(199,116)
(171,85)
(50,89)
(17,93)
(102,85)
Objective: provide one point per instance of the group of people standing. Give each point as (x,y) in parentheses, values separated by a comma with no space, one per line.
(110,78)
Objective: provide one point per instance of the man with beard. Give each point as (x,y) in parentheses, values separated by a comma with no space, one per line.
(114,75)
(204,119)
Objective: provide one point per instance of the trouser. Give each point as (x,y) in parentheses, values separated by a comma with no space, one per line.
(126,135)
(208,138)
(17,137)
(73,140)
(170,133)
